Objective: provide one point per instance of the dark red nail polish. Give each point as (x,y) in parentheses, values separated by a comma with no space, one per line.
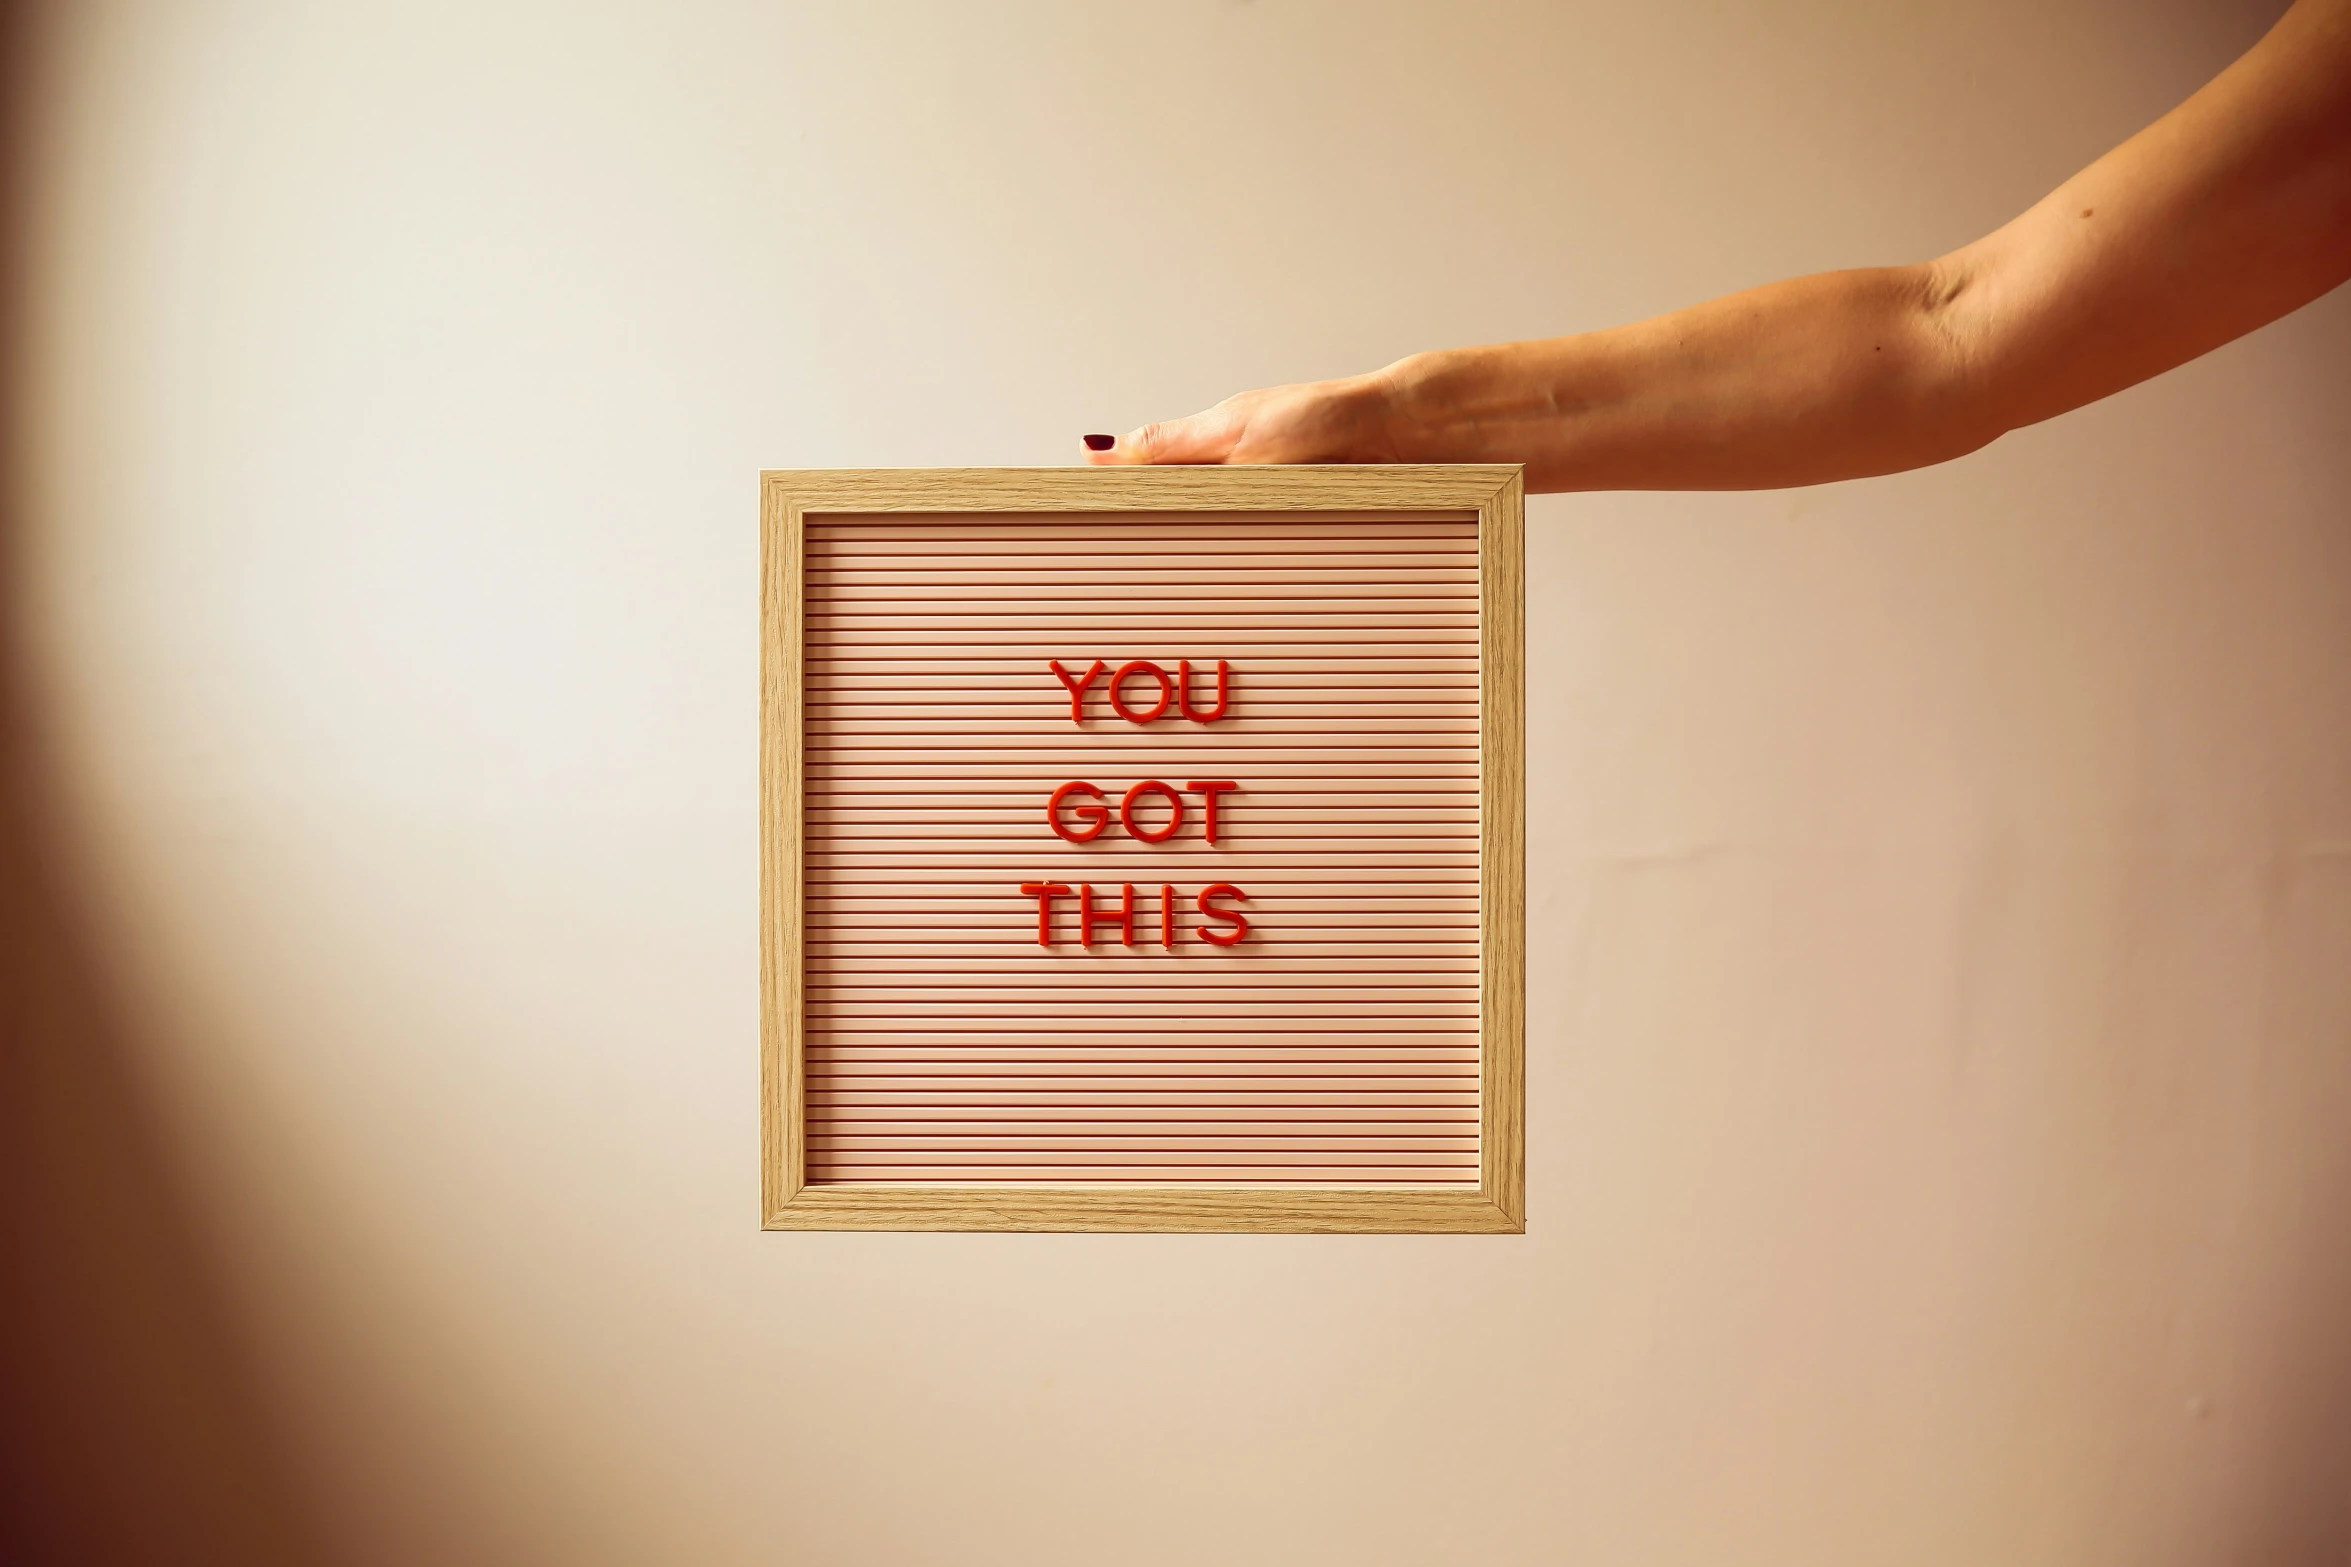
(1100,443)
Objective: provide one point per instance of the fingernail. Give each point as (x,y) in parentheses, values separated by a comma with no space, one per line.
(1100,443)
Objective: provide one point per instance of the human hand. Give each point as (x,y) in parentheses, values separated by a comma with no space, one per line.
(1346,420)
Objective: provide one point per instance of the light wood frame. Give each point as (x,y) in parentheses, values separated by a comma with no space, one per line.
(1498,1203)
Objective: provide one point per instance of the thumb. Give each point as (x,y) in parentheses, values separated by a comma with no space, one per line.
(1203,438)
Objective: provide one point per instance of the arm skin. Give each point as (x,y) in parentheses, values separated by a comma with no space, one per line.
(2227,213)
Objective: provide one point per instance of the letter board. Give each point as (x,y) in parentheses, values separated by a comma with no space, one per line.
(1142,849)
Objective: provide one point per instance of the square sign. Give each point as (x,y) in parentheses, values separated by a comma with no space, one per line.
(1142,849)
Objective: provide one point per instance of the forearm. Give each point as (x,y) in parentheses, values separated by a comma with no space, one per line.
(1835,376)
(2230,211)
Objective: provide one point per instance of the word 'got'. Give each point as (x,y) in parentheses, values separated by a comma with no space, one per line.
(1086,819)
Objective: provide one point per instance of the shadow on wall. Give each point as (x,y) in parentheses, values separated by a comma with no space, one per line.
(128,1429)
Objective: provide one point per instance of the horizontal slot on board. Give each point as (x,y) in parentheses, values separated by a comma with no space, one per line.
(1268,1077)
(820,552)
(1086,587)
(1275,564)
(1077,1022)
(833,731)
(1046,543)
(1147,869)
(924,711)
(843,1159)
(842,911)
(1236,834)
(1016,958)
(1013,1107)
(1389,642)
(1109,532)
(1073,1024)
(1012,1184)
(929,951)
(1452,668)
(848,1152)
(1431,1058)
(1072,985)
(1424,774)
(1268,808)
(1148,1115)
(1295,578)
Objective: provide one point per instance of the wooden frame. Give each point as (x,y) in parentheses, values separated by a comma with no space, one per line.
(1497,1204)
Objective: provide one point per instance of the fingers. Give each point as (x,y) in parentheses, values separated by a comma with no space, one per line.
(1203,438)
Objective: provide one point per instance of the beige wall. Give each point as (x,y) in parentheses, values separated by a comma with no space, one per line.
(1941,886)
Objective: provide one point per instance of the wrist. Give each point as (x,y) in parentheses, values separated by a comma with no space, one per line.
(1399,405)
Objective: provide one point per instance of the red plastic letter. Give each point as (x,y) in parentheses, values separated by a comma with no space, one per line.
(1140,666)
(1184,691)
(1124,919)
(1166,917)
(1096,815)
(1175,816)
(1044,892)
(1223,938)
(1208,789)
(1076,688)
